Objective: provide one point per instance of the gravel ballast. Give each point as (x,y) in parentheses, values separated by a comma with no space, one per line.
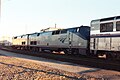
(15,69)
(19,68)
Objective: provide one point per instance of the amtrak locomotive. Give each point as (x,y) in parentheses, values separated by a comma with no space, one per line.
(71,41)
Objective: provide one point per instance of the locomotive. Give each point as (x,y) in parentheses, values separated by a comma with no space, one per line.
(70,41)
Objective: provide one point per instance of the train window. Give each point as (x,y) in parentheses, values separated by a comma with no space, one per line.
(75,29)
(106,27)
(63,31)
(78,30)
(33,42)
(118,17)
(118,26)
(107,19)
(72,30)
(15,37)
(23,43)
(55,32)
(95,24)
(38,34)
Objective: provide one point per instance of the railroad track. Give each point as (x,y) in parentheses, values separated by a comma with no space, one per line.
(87,61)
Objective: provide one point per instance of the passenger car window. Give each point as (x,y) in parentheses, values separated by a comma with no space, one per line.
(106,27)
(118,26)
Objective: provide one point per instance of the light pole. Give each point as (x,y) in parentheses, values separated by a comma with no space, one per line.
(0,10)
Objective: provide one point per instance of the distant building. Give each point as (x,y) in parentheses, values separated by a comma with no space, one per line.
(5,41)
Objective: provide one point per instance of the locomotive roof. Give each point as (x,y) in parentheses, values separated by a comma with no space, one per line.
(49,31)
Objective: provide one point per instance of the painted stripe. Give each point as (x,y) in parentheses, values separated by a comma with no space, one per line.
(104,35)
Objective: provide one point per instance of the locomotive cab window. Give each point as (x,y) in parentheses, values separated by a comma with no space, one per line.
(78,29)
(56,32)
(106,27)
(63,31)
(118,26)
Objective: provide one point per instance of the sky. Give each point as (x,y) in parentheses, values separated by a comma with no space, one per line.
(28,16)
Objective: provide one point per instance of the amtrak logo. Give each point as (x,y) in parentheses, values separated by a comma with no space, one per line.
(62,39)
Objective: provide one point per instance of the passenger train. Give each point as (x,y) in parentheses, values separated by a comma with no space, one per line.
(101,39)
(71,41)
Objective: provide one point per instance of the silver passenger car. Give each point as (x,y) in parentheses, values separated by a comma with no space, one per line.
(105,37)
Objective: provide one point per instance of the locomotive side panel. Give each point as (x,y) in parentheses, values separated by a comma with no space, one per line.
(72,40)
(20,42)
